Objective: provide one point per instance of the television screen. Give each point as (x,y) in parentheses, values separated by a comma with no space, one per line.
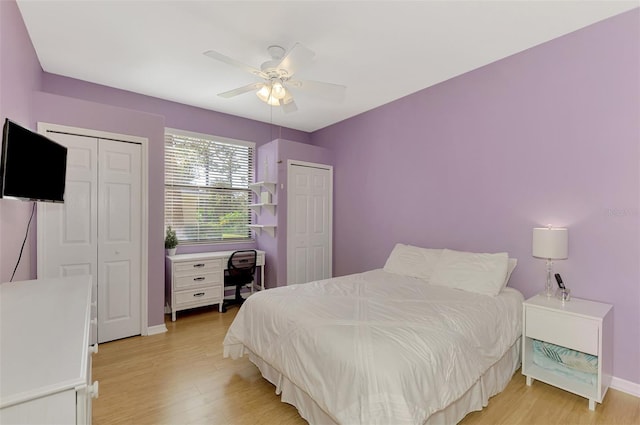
(32,166)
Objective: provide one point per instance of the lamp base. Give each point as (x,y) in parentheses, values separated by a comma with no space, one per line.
(548,293)
(548,287)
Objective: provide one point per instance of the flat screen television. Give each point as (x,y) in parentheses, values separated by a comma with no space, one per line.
(32,166)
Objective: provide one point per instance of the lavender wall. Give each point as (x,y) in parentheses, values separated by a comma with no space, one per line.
(550,135)
(20,76)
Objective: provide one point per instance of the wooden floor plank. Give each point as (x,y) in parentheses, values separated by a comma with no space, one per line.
(180,377)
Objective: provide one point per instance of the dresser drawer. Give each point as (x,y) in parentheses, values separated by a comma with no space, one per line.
(201,295)
(195,280)
(189,268)
(575,332)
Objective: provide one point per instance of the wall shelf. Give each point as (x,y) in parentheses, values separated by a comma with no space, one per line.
(271,207)
(269,228)
(257,187)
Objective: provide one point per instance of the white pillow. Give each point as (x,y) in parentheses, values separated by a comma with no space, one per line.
(469,271)
(412,261)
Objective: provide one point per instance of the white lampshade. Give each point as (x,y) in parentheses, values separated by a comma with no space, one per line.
(264,92)
(551,243)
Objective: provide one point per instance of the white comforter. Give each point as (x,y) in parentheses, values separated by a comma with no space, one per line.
(377,347)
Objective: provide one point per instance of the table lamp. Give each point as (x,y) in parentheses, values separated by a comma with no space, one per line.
(550,243)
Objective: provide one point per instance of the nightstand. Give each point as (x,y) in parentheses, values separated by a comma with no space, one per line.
(581,325)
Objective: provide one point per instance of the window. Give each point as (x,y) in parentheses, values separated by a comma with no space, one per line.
(207,194)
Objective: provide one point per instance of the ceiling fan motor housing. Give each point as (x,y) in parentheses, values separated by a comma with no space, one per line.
(270,67)
(276,52)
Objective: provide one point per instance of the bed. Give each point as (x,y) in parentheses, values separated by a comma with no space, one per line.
(406,344)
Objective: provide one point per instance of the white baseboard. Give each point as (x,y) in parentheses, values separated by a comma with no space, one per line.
(625,386)
(158,329)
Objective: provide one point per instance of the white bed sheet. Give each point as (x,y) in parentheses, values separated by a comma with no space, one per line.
(377,347)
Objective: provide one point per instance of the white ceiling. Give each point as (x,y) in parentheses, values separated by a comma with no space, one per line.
(380,50)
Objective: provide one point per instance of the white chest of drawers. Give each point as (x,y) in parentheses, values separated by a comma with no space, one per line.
(580,325)
(45,358)
(196,280)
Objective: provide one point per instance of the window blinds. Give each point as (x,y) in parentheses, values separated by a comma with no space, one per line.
(207,192)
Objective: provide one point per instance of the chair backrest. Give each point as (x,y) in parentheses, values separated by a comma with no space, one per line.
(242,265)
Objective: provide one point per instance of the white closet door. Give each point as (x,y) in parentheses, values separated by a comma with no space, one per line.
(97,230)
(68,233)
(119,240)
(309,231)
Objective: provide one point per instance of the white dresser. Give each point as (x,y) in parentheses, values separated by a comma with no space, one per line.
(580,325)
(45,357)
(197,280)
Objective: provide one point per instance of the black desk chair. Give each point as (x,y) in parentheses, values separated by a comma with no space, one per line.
(240,271)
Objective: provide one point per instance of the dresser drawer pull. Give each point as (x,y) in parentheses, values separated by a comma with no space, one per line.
(199,265)
(197,279)
(198,294)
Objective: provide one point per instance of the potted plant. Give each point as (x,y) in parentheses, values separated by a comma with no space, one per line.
(171,241)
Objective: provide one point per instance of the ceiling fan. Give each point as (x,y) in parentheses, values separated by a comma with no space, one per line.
(277,73)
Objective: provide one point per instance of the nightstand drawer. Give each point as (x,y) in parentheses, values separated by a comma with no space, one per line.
(575,332)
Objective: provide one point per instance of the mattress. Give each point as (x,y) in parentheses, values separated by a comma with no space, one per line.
(377,347)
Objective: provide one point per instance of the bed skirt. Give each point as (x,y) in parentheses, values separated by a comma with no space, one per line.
(492,382)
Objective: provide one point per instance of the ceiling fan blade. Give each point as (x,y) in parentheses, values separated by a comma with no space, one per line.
(241,90)
(226,59)
(329,91)
(288,107)
(296,58)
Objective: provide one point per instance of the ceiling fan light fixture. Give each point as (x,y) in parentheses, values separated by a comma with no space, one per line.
(269,99)
(264,92)
(273,101)
(272,93)
(278,91)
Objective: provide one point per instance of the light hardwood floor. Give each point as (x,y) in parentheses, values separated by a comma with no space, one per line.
(180,377)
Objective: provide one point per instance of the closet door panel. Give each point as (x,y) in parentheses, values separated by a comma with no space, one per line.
(119,242)
(76,228)
(68,232)
(308,226)
(118,303)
